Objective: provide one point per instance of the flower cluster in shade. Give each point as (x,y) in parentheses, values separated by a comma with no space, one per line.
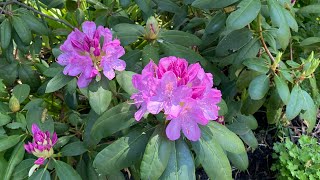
(183,92)
(42,144)
(86,53)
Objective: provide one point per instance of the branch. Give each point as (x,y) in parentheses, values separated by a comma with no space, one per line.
(38,12)
(262,40)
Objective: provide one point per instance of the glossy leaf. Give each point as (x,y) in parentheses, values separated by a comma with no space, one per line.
(15,158)
(259,87)
(156,155)
(57,82)
(99,96)
(294,105)
(310,114)
(282,88)
(21,170)
(181,164)
(4,119)
(8,142)
(240,161)
(22,29)
(40,174)
(250,139)
(5,33)
(21,92)
(211,4)
(113,120)
(123,152)
(247,11)
(65,171)
(73,149)
(257,64)
(226,138)
(179,37)
(124,79)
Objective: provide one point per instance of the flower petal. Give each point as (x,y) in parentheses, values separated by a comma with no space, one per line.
(191,129)
(35,129)
(40,161)
(173,130)
(89,28)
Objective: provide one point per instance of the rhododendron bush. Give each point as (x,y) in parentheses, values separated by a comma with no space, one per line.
(150,89)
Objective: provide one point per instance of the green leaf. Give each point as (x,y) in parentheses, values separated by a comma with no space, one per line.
(239,127)
(179,37)
(249,139)
(247,11)
(181,164)
(249,120)
(211,156)
(310,41)
(28,76)
(15,158)
(21,92)
(251,106)
(65,171)
(34,23)
(123,152)
(226,138)
(212,4)
(294,105)
(4,119)
(233,42)
(113,120)
(128,33)
(150,52)
(257,64)
(40,174)
(283,89)
(73,149)
(145,6)
(169,6)
(21,171)
(279,20)
(310,9)
(22,29)
(259,87)
(156,155)
(290,20)
(5,33)
(310,114)
(181,51)
(57,82)
(132,59)
(99,96)
(223,108)
(39,116)
(8,142)
(216,23)
(240,161)
(124,79)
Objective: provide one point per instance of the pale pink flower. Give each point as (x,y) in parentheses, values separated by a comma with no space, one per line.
(86,53)
(184,93)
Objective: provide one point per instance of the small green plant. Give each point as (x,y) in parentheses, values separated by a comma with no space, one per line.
(297,161)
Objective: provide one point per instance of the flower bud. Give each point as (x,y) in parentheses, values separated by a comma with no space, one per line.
(42,144)
(14,104)
(152,28)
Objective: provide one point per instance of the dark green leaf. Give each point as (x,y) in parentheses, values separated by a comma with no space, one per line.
(294,105)
(211,4)
(8,142)
(216,23)
(310,114)
(156,155)
(28,76)
(40,174)
(233,42)
(259,87)
(150,52)
(128,33)
(113,120)
(257,64)
(240,161)
(226,138)
(65,171)
(21,92)
(122,153)
(247,11)
(73,149)
(15,158)
(5,33)
(211,156)
(22,29)
(124,79)
(181,164)
(180,37)
(34,23)
(21,171)
(250,139)
(57,82)
(310,9)
(4,119)
(282,88)
(99,96)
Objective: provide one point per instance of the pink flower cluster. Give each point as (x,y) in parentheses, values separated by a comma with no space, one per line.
(42,144)
(88,52)
(183,92)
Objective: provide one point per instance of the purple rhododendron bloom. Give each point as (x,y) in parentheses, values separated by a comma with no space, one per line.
(183,92)
(42,144)
(89,52)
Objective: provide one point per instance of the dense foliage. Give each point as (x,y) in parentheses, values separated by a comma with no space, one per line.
(154,89)
(300,161)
